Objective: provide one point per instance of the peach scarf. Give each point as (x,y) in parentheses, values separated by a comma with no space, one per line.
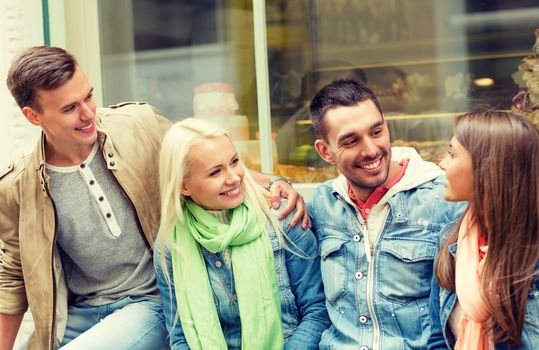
(469,267)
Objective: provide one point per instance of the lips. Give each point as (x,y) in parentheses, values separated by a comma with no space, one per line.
(86,129)
(371,167)
(231,193)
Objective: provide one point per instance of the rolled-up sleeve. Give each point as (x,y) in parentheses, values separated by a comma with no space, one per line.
(12,291)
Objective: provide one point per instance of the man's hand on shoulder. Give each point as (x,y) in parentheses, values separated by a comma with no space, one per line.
(279,188)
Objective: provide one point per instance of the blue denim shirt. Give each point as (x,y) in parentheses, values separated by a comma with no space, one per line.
(381,301)
(442,302)
(304,316)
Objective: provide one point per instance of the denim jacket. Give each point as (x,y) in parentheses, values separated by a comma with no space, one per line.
(442,302)
(377,294)
(304,316)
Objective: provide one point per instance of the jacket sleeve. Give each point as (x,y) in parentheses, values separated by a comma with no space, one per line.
(303,265)
(436,337)
(13,296)
(168,299)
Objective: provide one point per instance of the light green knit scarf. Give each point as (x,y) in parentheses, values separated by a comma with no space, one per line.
(254,278)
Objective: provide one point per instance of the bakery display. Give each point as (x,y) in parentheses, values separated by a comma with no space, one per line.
(217,103)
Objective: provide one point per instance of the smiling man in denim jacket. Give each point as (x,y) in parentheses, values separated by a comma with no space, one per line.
(377,225)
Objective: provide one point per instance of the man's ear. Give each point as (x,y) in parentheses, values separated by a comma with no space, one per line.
(31,115)
(323,151)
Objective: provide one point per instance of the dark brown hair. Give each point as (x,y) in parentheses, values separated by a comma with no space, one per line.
(344,92)
(504,148)
(39,68)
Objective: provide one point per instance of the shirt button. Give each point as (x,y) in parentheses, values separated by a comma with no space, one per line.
(109,215)
(92,182)
(357,238)
(83,165)
(367,210)
(359,275)
(218,264)
(112,164)
(110,155)
(101,198)
(363,319)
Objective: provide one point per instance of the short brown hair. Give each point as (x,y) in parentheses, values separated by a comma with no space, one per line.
(39,68)
(344,92)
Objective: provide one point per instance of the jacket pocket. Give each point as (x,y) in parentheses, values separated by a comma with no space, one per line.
(405,269)
(333,267)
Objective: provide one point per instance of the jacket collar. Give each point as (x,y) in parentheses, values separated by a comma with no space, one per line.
(38,158)
(417,173)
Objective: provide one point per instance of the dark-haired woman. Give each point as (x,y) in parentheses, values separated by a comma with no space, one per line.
(485,294)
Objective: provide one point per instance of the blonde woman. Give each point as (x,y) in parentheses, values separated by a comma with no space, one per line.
(230,275)
(486,291)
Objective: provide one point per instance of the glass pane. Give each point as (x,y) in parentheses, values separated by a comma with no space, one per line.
(427,60)
(161,51)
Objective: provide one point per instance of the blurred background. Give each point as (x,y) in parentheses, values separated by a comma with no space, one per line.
(427,60)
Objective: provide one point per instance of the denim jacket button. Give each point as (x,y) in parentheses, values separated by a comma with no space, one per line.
(357,238)
(218,264)
(359,275)
(363,319)
(363,348)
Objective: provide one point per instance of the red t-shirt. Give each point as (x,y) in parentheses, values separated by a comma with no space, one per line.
(375,197)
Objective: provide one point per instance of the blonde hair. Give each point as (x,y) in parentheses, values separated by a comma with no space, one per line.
(174,161)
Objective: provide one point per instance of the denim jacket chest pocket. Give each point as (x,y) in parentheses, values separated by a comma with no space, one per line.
(406,269)
(333,267)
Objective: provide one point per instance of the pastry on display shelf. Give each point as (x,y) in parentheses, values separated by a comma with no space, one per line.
(217,103)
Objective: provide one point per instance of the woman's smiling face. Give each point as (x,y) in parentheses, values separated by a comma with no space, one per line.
(215,175)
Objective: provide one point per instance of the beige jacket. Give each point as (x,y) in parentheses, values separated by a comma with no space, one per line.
(30,269)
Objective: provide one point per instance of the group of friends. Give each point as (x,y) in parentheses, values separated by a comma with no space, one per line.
(122,231)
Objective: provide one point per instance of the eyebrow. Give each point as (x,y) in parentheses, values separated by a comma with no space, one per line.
(351,134)
(63,108)
(219,166)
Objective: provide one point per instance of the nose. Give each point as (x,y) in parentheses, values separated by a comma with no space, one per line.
(443,163)
(232,178)
(369,149)
(86,111)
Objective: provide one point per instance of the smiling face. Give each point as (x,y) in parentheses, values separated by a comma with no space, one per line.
(459,173)
(358,144)
(67,117)
(215,175)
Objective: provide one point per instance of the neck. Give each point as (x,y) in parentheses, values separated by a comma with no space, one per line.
(363,193)
(59,156)
(222,215)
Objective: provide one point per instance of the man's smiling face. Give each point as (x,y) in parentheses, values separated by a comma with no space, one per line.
(358,143)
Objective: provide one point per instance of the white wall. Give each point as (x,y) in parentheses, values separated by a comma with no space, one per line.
(21,26)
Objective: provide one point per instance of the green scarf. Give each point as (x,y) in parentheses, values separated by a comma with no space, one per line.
(254,277)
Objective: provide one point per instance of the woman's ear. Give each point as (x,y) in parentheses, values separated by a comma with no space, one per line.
(185,191)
